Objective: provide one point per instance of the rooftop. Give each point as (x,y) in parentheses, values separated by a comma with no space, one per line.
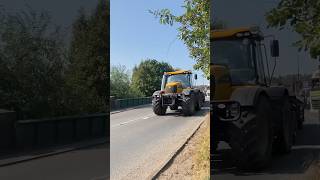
(179,72)
(226,33)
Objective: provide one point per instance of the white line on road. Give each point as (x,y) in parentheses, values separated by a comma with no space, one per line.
(127,122)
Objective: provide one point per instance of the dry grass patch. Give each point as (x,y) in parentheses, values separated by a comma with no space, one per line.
(202,157)
(193,162)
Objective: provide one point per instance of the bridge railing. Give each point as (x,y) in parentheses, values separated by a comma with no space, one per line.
(58,131)
(130,102)
(20,135)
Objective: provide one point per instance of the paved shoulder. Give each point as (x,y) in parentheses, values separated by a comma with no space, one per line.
(84,164)
(140,140)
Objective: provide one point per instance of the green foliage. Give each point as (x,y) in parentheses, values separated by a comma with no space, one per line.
(119,82)
(31,64)
(193,30)
(41,77)
(87,76)
(303,16)
(147,76)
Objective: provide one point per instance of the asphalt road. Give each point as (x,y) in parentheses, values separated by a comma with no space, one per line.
(291,166)
(84,164)
(141,141)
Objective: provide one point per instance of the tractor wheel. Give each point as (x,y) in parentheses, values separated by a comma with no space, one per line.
(215,145)
(285,138)
(188,105)
(253,147)
(199,103)
(158,109)
(301,119)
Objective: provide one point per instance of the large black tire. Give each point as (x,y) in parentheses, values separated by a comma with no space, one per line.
(285,138)
(199,103)
(215,145)
(301,119)
(253,147)
(188,105)
(158,109)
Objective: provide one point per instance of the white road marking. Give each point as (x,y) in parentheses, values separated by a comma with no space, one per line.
(127,122)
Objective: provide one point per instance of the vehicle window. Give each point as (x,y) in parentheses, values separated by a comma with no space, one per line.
(260,65)
(183,78)
(237,56)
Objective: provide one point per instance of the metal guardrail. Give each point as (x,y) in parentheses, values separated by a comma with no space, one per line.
(315,99)
(131,102)
(35,133)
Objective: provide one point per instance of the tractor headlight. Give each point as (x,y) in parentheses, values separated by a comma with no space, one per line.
(228,111)
(234,110)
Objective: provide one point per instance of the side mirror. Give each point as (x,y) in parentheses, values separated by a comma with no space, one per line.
(195,76)
(274,48)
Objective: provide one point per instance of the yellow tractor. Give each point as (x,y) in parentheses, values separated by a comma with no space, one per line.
(254,117)
(177,90)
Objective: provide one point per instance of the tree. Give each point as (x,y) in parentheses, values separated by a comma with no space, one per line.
(304,17)
(193,30)
(88,77)
(31,64)
(119,82)
(147,76)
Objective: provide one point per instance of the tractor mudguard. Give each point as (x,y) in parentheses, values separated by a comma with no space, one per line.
(276,92)
(247,96)
(187,92)
(156,93)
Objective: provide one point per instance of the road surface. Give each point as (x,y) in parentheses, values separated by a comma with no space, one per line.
(84,164)
(292,166)
(140,140)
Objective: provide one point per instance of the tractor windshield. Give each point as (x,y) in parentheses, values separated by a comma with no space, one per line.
(236,55)
(184,79)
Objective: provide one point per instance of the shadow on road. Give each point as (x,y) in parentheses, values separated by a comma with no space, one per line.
(205,109)
(306,149)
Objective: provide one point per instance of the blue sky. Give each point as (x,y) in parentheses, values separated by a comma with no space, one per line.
(136,35)
(252,13)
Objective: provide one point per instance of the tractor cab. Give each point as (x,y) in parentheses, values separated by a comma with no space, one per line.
(238,58)
(175,82)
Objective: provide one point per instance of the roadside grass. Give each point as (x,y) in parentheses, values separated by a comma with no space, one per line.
(193,162)
(202,157)
(314,172)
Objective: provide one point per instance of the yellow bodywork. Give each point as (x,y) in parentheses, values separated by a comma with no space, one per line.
(229,33)
(179,72)
(225,33)
(173,84)
(223,86)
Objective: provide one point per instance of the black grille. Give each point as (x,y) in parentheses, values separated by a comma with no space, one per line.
(167,100)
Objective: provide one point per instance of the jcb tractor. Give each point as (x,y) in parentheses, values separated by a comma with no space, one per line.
(177,90)
(254,117)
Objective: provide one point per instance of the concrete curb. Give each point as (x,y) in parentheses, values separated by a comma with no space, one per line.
(127,109)
(54,151)
(171,157)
